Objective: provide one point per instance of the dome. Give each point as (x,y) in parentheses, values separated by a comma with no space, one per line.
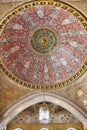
(43,44)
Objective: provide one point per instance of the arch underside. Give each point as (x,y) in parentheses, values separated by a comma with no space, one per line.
(36,97)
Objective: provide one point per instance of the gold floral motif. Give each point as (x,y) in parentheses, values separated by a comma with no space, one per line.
(43,40)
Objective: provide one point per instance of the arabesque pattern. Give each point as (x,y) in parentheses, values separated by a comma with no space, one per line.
(57,66)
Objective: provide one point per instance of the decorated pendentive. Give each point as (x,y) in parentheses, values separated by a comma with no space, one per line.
(43,44)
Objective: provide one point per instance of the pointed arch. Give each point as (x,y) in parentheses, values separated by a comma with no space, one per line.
(36,97)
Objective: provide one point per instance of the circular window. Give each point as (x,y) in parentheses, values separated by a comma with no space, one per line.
(44,129)
(71,128)
(18,129)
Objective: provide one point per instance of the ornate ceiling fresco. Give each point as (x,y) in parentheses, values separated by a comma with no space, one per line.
(43,44)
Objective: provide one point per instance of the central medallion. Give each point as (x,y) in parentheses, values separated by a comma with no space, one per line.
(43,40)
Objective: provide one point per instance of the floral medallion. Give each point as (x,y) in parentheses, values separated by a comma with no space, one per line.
(43,40)
(43,45)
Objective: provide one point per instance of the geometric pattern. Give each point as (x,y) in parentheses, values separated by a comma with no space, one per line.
(64,117)
(43,40)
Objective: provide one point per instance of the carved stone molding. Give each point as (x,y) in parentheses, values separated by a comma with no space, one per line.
(37,97)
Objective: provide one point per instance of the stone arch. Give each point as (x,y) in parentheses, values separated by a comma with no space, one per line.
(36,97)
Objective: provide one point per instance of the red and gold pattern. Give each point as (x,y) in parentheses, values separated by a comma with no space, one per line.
(58,65)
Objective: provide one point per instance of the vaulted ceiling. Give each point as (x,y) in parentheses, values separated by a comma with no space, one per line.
(43,47)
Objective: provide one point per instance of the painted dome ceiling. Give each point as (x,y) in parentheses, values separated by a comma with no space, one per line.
(43,44)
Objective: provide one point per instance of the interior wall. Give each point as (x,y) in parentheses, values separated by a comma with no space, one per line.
(60,117)
(37,97)
(55,126)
